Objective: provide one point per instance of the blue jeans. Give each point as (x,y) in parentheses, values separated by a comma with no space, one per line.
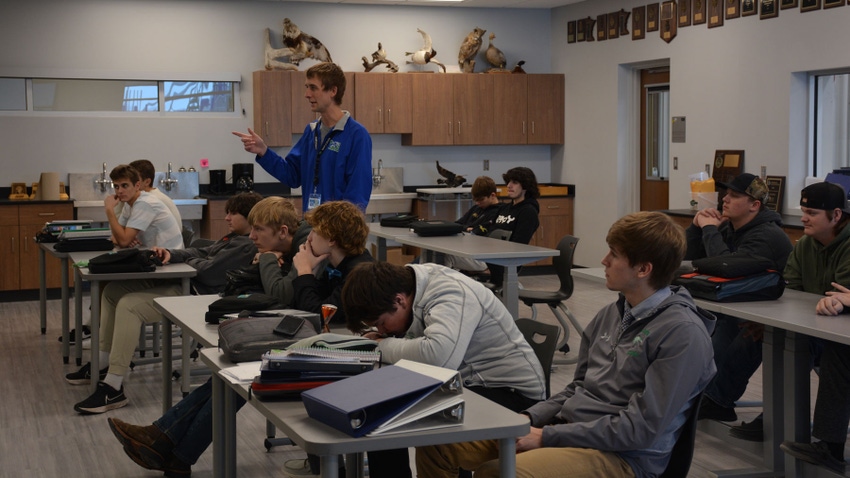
(737,358)
(188,424)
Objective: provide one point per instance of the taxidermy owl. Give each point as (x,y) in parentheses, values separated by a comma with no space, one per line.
(468,50)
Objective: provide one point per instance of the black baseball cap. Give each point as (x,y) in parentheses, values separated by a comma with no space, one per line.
(824,195)
(749,184)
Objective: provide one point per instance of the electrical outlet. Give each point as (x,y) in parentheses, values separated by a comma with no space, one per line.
(486,165)
(675,163)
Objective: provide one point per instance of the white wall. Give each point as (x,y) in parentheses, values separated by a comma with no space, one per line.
(736,85)
(185,36)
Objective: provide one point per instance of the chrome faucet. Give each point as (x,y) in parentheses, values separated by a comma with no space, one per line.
(376,174)
(168,181)
(104,181)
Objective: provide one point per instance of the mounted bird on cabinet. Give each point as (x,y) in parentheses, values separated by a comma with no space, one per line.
(426,54)
(494,56)
(468,49)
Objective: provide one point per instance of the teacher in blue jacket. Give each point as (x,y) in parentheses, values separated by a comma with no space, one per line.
(333,159)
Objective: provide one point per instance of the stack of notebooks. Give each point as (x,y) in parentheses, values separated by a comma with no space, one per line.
(287,373)
(405,397)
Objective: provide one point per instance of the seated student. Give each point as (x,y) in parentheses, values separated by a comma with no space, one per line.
(148,173)
(744,229)
(436,315)
(145,220)
(127,304)
(175,441)
(478,220)
(643,360)
(820,257)
(520,217)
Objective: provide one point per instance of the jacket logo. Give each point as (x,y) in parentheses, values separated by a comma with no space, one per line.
(637,343)
(505,219)
(334,146)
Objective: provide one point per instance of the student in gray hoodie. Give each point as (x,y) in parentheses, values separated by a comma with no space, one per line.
(643,361)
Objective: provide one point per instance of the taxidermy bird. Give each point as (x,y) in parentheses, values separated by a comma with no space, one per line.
(518,67)
(468,49)
(297,46)
(426,54)
(452,180)
(379,56)
(495,56)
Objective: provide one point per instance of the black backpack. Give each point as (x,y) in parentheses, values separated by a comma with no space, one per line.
(124,260)
(239,303)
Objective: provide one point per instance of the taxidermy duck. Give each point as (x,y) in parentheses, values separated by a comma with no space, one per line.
(518,67)
(468,49)
(426,54)
(452,180)
(495,56)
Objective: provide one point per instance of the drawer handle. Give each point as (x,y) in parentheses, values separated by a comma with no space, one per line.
(553,207)
(42,214)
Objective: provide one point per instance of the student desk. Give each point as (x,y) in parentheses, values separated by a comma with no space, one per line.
(789,321)
(503,253)
(45,248)
(483,420)
(188,313)
(170,271)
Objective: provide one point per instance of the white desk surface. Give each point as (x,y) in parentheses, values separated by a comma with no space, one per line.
(483,420)
(188,312)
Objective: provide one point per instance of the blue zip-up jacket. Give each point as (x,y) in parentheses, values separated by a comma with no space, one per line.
(345,169)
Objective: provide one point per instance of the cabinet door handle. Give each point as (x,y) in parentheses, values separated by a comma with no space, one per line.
(532,128)
(42,214)
(13,244)
(458,128)
(450,128)
(389,115)
(380,116)
(523,128)
(266,134)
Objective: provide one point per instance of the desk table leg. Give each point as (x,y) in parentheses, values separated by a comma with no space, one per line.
(42,291)
(65,311)
(354,465)
(329,465)
(382,249)
(78,316)
(186,371)
(797,395)
(510,291)
(218,434)
(773,398)
(507,457)
(167,356)
(94,353)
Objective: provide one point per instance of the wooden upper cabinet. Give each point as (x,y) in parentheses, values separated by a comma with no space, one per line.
(510,109)
(271,107)
(301,113)
(473,108)
(433,122)
(546,109)
(382,101)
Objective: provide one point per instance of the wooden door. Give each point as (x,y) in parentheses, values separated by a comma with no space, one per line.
(369,100)
(510,109)
(432,101)
(546,109)
(398,117)
(654,191)
(9,250)
(271,107)
(473,109)
(32,218)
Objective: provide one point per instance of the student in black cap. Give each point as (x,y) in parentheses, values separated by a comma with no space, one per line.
(744,228)
(820,261)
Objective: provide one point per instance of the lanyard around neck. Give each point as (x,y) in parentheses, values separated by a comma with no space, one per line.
(321,150)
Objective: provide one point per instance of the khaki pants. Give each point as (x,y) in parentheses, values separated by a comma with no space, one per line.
(126,305)
(482,456)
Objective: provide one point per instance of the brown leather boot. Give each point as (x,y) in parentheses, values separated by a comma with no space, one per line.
(146,446)
(174,468)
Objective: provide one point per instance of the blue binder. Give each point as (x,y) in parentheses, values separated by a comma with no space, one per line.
(359,404)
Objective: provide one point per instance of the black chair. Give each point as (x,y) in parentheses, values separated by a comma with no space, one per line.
(683,450)
(532,330)
(555,299)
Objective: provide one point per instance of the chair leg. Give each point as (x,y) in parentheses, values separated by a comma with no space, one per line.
(533,311)
(563,314)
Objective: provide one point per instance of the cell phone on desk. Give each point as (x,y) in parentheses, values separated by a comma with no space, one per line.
(289,326)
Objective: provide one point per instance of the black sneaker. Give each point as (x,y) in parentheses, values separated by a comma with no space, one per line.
(72,336)
(750,431)
(83,375)
(710,410)
(103,399)
(816,453)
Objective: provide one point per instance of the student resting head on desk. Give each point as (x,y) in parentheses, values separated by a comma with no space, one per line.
(643,361)
(176,440)
(435,315)
(127,304)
